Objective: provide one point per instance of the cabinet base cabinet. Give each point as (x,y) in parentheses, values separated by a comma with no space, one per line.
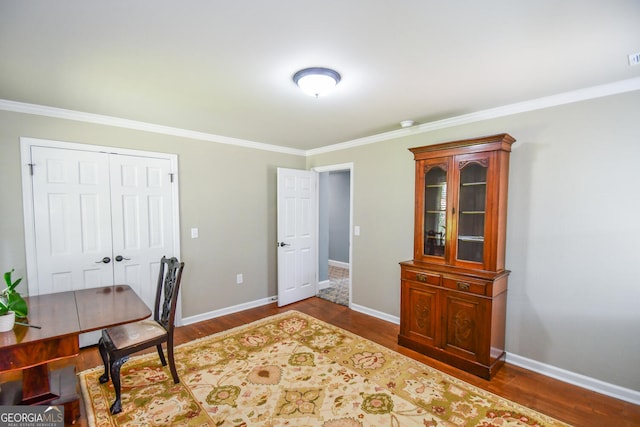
(455,318)
(420,323)
(482,371)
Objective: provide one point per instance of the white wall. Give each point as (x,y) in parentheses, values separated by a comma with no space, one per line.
(339,215)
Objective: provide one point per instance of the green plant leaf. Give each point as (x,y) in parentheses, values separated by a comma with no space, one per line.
(7,277)
(18,304)
(10,299)
(4,308)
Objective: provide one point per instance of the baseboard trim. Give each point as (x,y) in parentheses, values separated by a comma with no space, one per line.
(228,310)
(576,379)
(324,284)
(375,313)
(340,264)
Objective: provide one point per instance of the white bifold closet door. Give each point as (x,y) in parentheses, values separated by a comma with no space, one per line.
(100,219)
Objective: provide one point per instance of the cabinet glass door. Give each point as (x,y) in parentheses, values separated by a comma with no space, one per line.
(472,197)
(435,210)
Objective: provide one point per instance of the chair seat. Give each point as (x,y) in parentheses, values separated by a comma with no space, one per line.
(131,334)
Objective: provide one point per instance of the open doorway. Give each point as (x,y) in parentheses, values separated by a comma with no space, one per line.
(334,236)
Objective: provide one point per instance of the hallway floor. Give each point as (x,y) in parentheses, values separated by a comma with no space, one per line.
(338,290)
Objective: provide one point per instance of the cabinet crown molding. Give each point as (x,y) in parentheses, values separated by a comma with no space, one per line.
(501,142)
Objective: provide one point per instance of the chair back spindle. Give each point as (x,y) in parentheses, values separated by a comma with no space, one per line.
(169,278)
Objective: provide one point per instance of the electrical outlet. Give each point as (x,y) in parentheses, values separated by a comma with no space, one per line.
(239,278)
(194,233)
(634,59)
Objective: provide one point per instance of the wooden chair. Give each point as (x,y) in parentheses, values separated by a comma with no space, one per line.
(119,342)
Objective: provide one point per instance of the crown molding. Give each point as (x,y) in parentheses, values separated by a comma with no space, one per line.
(622,86)
(579,95)
(61,113)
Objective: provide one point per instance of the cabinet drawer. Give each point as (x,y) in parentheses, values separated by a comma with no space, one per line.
(421,276)
(477,287)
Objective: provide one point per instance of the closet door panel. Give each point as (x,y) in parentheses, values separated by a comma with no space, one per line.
(141,199)
(72,219)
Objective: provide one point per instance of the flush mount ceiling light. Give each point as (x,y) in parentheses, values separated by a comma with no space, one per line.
(316,81)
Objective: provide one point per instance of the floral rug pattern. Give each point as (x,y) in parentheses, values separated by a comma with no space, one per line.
(294,370)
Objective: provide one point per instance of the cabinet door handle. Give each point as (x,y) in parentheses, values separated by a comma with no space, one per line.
(421,278)
(463,286)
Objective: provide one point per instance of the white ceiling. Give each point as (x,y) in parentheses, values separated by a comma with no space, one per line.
(224,67)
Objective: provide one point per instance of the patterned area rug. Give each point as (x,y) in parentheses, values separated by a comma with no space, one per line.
(294,370)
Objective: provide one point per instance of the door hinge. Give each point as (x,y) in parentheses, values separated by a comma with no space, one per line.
(31,165)
(171,177)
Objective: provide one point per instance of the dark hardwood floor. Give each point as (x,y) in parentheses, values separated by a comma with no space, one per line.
(568,403)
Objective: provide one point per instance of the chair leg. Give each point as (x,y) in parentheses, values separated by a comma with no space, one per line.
(161,355)
(105,359)
(172,364)
(116,407)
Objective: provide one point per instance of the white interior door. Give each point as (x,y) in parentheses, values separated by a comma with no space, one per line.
(142,221)
(72,220)
(297,235)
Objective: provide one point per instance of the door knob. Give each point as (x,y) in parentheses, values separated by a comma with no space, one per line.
(120,258)
(281,244)
(105,260)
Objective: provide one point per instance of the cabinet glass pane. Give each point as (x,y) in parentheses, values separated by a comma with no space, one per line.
(471,212)
(435,211)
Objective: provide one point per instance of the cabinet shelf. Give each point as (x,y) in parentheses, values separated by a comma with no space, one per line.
(471,238)
(469,184)
(472,212)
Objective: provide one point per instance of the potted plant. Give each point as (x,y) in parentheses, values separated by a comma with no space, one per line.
(12,304)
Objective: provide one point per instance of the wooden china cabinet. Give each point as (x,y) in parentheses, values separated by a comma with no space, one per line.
(454,291)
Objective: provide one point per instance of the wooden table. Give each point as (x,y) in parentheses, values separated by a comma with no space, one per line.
(62,317)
